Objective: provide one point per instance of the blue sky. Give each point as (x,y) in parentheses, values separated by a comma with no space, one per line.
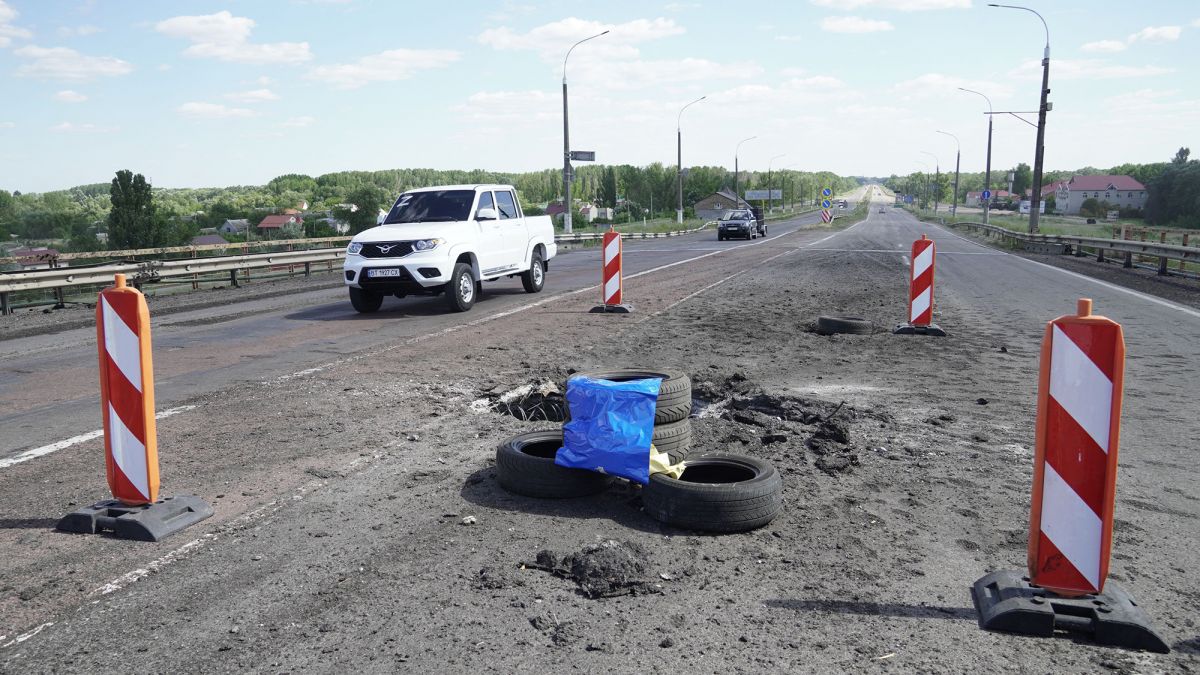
(197,93)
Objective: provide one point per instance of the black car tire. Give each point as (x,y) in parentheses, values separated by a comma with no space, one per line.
(716,493)
(525,466)
(535,277)
(829,325)
(674,394)
(364,301)
(457,297)
(674,438)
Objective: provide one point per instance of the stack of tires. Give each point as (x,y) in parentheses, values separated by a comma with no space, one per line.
(715,493)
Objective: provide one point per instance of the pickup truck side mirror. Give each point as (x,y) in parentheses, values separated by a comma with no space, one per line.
(486,214)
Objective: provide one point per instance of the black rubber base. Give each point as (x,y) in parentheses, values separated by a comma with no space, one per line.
(909,329)
(612,309)
(152,522)
(1007,602)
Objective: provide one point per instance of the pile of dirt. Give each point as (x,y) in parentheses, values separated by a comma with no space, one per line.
(606,570)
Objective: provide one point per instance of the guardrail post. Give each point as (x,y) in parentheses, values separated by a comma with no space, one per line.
(4,311)
(1128,260)
(1099,254)
(233,278)
(1185,243)
(195,277)
(1162,261)
(307,270)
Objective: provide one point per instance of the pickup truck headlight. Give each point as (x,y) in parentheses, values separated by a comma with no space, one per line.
(354,248)
(426,244)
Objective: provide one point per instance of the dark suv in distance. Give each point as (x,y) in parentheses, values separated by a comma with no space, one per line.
(738,223)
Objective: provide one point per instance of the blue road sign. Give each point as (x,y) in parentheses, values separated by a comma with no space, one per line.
(826,192)
(987,194)
(825,203)
(908,199)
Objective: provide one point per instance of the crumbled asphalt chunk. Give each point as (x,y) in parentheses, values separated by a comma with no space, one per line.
(606,570)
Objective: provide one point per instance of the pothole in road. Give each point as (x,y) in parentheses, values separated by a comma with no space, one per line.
(537,401)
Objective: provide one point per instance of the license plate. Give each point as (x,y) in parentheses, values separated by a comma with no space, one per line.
(383,273)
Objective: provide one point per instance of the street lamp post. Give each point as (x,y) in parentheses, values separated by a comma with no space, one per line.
(567,173)
(769,162)
(987,176)
(937,181)
(679,158)
(1035,199)
(737,196)
(957,158)
(924,186)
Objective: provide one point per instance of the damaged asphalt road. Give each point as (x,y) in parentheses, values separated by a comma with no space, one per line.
(359,525)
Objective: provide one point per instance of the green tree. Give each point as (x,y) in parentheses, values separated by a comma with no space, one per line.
(132,222)
(608,188)
(1022,178)
(368,199)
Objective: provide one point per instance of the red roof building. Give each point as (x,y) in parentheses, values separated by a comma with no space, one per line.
(280,221)
(1122,192)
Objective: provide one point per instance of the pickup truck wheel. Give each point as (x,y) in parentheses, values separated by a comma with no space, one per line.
(535,277)
(364,301)
(461,289)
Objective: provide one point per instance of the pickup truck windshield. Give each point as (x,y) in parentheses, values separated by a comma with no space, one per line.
(431,207)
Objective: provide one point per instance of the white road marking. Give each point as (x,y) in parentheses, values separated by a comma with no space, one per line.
(76,440)
(1112,287)
(25,636)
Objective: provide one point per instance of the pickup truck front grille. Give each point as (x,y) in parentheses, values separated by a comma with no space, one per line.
(386,249)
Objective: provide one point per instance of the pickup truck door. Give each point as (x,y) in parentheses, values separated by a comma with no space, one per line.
(511,251)
(491,236)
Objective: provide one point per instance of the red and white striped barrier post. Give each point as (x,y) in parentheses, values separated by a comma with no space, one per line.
(1080,388)
(920,290)
(130,435)
(1075,465)
(127,394)
(612,284)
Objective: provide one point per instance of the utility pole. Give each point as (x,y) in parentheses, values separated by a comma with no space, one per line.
(737,201)
(987,177)
(957,157)
(679,159)
(568,174)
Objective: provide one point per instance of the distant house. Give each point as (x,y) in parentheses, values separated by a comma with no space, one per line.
(280,221)
(591,212)
(718,204)
(38,258)
(239,226)
(208,240)
(1120,191)
(555,209)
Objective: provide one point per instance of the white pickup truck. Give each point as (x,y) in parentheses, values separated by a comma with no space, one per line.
(448,239)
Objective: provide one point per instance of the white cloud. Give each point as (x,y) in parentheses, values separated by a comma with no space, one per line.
(1104,46)
(7,30)
(85,128)
(226,37)
(67,64)
(1156,34)
(854,24)
(212,111)
(552,40)
(899,5)
(389,66)
(77,31)
(937,85)
(620,75)
(299,122)
(1196,23)
(7,125)
(253,96)
(1071,69)
(68,96)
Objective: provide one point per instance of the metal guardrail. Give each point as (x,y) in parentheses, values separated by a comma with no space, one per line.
(149,271)
(1076,244)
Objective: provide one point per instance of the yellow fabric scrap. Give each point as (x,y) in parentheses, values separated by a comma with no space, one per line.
(660,462)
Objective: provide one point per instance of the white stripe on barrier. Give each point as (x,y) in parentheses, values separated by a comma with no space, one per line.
(122,345)
(128,452)
(919,305)
(611,286)
(922,262)
(610,251)
(1071,525)
(1082,389)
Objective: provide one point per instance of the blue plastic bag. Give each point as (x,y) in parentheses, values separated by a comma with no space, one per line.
(611,427)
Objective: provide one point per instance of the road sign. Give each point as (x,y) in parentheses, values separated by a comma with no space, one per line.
(763,194)
(583,155)
(908,199)
(825,203)
(826,192)
(987,194)
(826,216)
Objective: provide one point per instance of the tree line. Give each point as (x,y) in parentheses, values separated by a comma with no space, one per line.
(134,214)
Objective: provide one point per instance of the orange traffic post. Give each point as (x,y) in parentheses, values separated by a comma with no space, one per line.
(611,279)
(920,291)
(130,435)
(1080,386)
